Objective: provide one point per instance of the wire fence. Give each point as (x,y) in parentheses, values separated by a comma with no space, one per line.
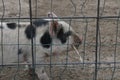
(96,20)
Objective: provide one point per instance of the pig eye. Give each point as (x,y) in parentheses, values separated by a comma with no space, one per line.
(63,36)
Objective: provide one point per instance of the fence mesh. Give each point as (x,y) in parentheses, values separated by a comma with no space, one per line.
(97,21)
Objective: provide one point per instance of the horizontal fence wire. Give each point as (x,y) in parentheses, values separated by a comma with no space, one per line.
(64,17)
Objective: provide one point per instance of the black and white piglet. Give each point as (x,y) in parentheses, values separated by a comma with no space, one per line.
(49,37)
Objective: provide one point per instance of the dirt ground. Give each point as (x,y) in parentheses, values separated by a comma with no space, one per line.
(73,69)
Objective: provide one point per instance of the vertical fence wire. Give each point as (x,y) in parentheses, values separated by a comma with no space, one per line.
(51,10)
(100,44)
(18,40)
(101,11)
(2,18)
(85,29)
(36,14)
(32,40)
(19,15)
(97,34)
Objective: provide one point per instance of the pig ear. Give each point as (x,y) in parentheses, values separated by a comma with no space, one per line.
(51,14)
(54,23)
(53,27)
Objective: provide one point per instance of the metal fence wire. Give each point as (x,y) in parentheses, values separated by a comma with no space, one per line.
(96,21)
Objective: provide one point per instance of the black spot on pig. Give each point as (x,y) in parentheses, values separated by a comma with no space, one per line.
(40,22)
(63,36)
(11,25)
(30,32)
(19,51)
(46,40)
